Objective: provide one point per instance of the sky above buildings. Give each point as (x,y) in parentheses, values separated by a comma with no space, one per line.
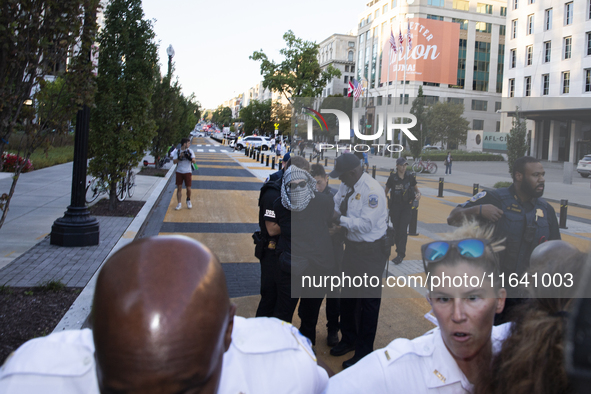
(213,39)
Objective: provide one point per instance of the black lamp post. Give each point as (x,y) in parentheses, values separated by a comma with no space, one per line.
(77,227)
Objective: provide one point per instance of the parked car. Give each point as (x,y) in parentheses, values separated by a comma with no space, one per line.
(584,166)
(428,148)
(258,142)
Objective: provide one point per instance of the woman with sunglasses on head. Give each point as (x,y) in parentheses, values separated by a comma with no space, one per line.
(302,216)
(450,358)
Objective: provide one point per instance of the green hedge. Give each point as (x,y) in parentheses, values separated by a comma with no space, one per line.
(462,156)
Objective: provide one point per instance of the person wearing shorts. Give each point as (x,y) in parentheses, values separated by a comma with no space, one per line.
(183,158)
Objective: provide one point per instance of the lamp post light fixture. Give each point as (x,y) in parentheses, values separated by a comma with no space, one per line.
(170,53)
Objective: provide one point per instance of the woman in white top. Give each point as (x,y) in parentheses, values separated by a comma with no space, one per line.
(449,358)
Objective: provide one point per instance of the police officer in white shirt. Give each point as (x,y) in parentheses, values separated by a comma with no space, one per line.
(449,358)
(162,330)
(361,208)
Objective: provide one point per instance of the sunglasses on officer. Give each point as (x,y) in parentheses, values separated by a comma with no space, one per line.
(436,251)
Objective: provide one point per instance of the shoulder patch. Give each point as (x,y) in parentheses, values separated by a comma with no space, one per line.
(373,200)
(478,196)
(269,213)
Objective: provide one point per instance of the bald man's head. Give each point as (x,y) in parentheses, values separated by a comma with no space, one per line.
(162,319)
(552,251)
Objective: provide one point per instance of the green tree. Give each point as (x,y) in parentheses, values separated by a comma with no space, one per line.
(174,114)
(516,142)
(222,116)
(299,75)
(36,40)
(421,130)
(121,125)
(257,115)
(282,115)
(447,124)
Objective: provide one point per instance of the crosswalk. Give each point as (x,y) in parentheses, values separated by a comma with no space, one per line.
(218,150)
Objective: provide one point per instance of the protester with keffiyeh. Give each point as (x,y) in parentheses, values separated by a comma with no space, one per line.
(303,216)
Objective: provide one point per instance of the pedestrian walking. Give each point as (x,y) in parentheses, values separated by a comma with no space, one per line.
(402,186)
(184,157)
(447,162)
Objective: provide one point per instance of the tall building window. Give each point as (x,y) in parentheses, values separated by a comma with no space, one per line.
(588,9)
(547,51)
(435,17)
(515,4)
(513,58)
(565,82)
(366,64)
(461,64)
(502,30)
(374,59)
(531,1)
(479,105)
(568,43)
(481,66)
(548,19)
(498,126)
(503,11)
(350,56)
(545,84)
(484,8)
(483,27)
(588,80)
(530,24)
(500,67)
(529,54)
(376,14)
(346,79)
(436,3)
(497,105)
(368,19)
(393,4)
(514,28)
(477,124)
(527,86)
(455,100)
(405,99)
(568,13)
(375,32)
(461,5)
(463,23)
(512,87)
(385,8)
(361,39)
(588,39)
(359,62)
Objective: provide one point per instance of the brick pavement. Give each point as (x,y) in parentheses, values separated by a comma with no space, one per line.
(72,266)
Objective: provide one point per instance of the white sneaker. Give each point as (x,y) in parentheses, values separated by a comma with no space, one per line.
(189,205)
(178,207)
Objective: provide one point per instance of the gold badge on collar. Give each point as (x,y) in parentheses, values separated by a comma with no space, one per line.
(358,196)
(439,375)
(539,213)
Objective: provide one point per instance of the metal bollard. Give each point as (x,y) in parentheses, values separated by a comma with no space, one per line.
(310,158)
(563,212)
(245,151)
(258,155)
(414,215)
(440,188)
(475,188)
(273,163)
(263,158)
(279,163)
(325,161)
(318,159)
(336,153)
(373,172)
(251,153)
(267,162)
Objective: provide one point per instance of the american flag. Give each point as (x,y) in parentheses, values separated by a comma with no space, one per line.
(400,37)
(409,37)
(392,41)
(357,90)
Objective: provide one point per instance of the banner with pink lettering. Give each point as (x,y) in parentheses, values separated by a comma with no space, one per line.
(432,57)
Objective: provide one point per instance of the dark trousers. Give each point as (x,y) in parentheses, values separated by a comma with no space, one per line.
(400,216)
(308,313)
(285,305)
(362,258)
(448,168)
(333,311)
(268,284)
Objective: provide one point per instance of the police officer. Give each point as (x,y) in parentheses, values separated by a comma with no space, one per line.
(360,207)
(403,190)
(519,215)
(157,330)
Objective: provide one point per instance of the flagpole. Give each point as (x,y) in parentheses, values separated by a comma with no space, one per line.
(396,82)
(387,94)
(406,49)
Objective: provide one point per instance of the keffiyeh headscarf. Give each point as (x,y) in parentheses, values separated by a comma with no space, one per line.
(297,199)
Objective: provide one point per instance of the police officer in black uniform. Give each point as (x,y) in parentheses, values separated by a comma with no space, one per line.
(519,215)
(403,190)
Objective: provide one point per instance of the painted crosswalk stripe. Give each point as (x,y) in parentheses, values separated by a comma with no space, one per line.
(199,150)
(212,150)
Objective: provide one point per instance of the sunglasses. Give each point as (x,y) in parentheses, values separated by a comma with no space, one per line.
(299,184)
(436,251)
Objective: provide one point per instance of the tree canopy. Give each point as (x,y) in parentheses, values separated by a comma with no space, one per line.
(299,74)
(446,123)
(122,127)
(222,116)
(421,130)
(516,140)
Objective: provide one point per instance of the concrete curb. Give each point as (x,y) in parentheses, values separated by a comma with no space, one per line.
(80,309)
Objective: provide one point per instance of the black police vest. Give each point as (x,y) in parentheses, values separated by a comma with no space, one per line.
(523,231)
(404,194)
